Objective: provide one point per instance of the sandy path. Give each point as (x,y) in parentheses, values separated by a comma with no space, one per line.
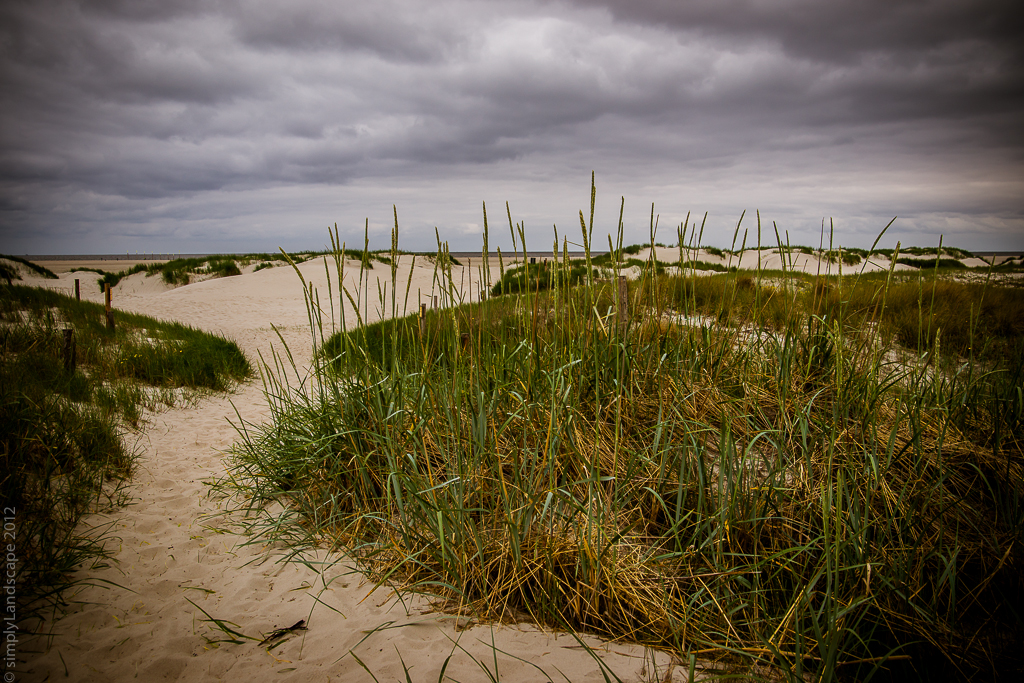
(167,554)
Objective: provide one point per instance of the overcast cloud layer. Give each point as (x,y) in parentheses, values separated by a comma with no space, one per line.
(194,126)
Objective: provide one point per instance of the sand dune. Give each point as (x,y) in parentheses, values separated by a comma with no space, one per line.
(168,550)
(771,259)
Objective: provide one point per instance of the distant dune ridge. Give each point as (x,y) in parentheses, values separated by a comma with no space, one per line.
(750,259)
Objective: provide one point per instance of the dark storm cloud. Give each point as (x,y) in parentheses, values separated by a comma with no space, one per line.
(380,28)
(147,116)
(890,58)
(838,31)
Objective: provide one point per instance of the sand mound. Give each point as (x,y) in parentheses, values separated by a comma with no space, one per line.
(177,569)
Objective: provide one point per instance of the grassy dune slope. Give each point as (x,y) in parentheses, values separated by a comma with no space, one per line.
(64,429)
(781,475)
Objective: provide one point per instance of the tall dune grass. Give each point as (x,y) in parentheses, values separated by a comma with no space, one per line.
(767,473)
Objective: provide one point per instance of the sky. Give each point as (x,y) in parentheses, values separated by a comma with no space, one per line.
(195,126)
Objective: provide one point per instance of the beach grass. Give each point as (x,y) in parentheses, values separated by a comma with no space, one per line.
(181,271)
(10,274)
(780,475)
(66,444)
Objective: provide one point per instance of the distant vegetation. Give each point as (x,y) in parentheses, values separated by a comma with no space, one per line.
(181,271)
(176,272)
(929,263)
(927,251)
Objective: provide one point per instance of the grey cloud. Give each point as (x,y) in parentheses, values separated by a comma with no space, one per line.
(840,30)
(392,30)
(144,10)
(57,47)
(887,60)
(125,106)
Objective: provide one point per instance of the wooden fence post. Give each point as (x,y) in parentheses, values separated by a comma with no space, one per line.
(110,313)
(78,290)
(69,349)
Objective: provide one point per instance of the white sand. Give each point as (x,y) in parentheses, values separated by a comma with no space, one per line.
(167,554)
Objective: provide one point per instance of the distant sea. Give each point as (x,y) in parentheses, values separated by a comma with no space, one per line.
(456,254)
(111,257)
(167,257)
